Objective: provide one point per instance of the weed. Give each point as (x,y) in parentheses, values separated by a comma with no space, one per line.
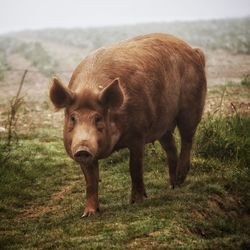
(246,81)
(225,138)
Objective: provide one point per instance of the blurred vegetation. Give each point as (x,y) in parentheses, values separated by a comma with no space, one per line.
(246,81)
(32,51)
(229,34)
(3,64)
(9,44)
(38,56)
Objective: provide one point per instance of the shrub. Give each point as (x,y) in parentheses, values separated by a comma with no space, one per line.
(225,138)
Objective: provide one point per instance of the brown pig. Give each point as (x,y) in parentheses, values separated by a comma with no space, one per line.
(127,95)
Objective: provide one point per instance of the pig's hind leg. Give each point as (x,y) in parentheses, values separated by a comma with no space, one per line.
(168,143)
(187,125)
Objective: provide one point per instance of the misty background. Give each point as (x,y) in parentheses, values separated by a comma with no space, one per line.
(33,14)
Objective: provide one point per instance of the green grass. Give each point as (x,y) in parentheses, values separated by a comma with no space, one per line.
(42,196)
(246,81)
(226,139)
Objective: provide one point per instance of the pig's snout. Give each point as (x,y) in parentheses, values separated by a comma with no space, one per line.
(83,154)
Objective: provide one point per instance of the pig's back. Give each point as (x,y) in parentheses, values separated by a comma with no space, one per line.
(153,69)
(144,56)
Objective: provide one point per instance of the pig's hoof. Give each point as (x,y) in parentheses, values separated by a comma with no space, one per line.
(138,197)
(180,180)
(90,212)
(172,183)
(181,175)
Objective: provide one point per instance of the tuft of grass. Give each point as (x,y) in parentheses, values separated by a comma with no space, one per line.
(246,81)
(225,138)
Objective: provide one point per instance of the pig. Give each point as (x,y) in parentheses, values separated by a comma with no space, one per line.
(127,95)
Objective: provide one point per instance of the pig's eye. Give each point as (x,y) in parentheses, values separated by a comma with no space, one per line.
(99,123)
(98,119)
(72,118)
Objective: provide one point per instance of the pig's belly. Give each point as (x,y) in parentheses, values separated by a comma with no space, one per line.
(151,137)
(158,130)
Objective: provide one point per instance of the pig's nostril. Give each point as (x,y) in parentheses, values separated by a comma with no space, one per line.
(82,154)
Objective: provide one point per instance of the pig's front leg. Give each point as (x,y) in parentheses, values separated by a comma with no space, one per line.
(136,171)
(91,173)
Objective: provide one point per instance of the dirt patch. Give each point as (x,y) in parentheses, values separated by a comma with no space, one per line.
(36,211)
(158,233)
(228,100)
(217,206)
(62,193)
(223,66)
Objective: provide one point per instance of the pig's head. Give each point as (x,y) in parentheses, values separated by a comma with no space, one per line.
(89,128)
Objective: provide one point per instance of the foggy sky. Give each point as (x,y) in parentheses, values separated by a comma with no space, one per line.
(36,14)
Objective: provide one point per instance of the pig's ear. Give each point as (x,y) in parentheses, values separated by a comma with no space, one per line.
(112,95)
(60,95)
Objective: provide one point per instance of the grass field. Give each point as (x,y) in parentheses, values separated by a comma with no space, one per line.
(42,190)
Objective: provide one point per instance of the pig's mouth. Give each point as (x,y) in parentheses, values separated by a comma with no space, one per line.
(83,155)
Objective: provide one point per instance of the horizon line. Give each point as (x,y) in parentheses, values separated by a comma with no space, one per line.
(122,24)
